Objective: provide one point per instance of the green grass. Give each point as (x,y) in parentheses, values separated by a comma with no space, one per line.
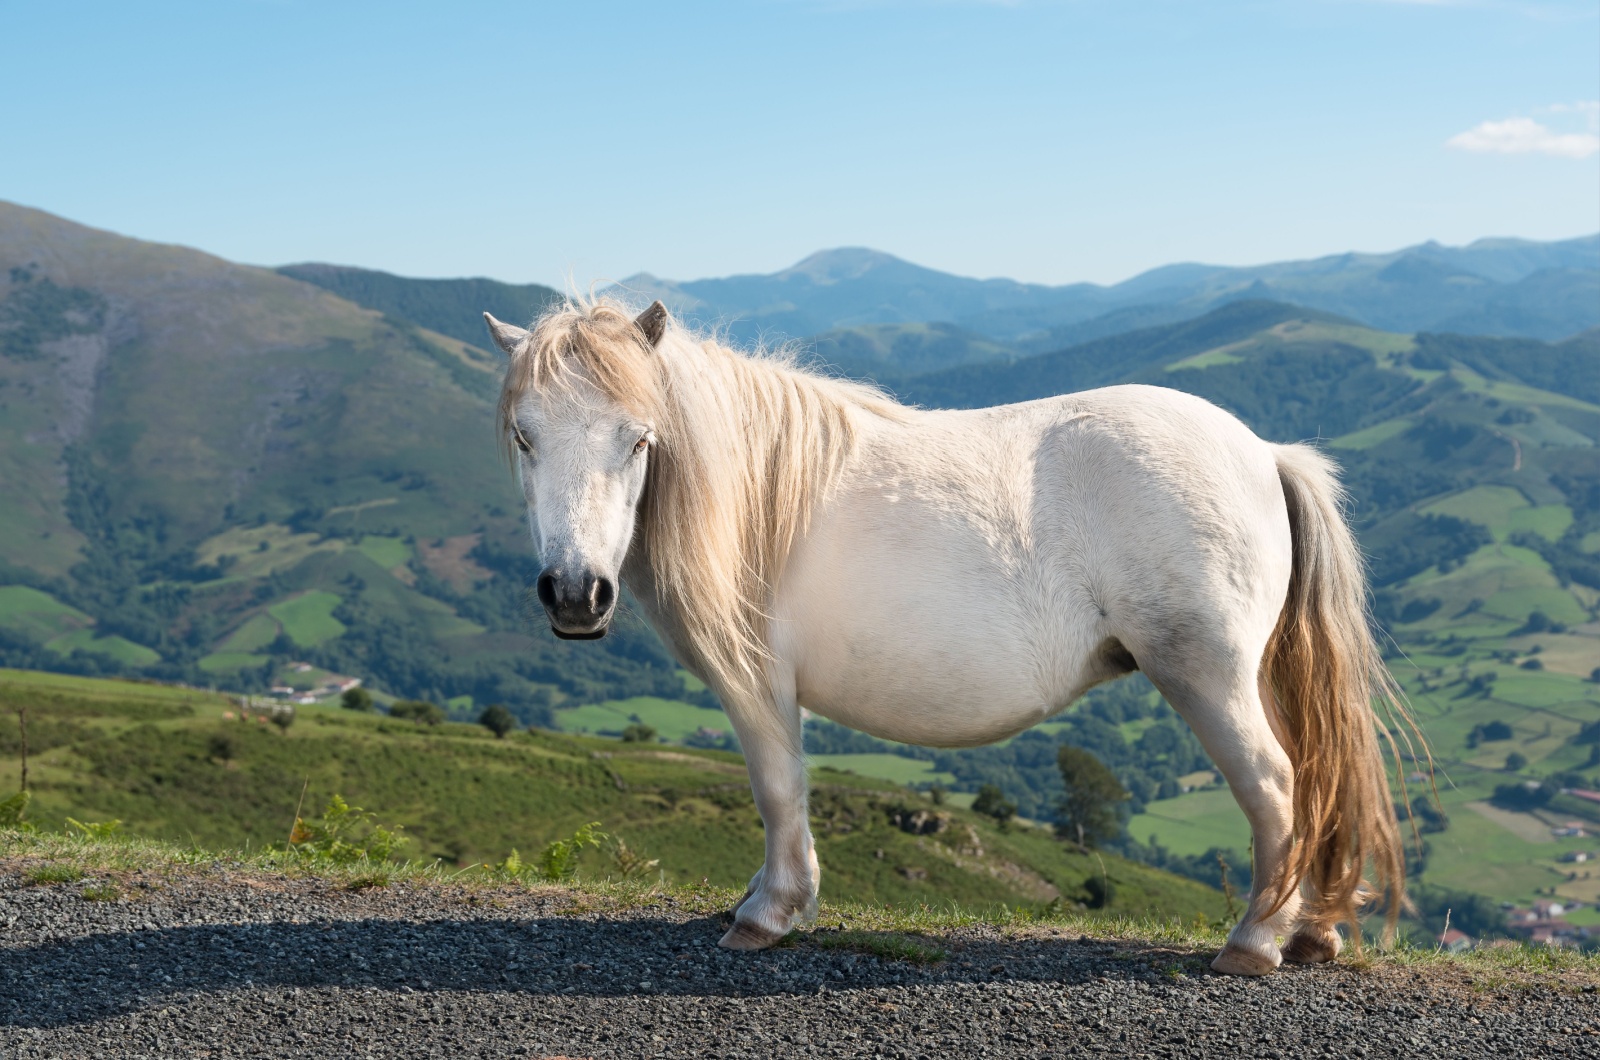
(256,633)
(885,945)
(1210,358)
(672,720)
(37,614)
(386,552)
(44,875)
(883,766)
(110,750)
(119,648)
(1370,437)
(1194,823)
(223,662)
(1489,506)
(308,618)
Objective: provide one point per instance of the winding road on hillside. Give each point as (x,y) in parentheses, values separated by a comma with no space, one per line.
(219,963)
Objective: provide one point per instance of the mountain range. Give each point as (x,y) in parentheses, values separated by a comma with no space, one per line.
(1490,287)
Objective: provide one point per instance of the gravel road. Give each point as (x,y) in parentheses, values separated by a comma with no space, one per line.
(221,964)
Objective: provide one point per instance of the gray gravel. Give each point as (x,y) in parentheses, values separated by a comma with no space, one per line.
(232,965)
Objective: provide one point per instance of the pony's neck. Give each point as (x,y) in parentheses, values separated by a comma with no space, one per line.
(749,448)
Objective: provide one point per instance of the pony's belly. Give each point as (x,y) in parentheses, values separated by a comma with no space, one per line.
(911,668)
(932,713)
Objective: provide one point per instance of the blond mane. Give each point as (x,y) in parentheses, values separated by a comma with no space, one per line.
(746,447)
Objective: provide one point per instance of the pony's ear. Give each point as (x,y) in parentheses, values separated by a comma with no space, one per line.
(506,336)
(653,322)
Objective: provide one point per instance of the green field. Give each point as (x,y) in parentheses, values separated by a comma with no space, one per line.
(37,614)
(170,763)
(257,632)
(386,552)
(308,618)
(890,767)
(671,719)
(119,648)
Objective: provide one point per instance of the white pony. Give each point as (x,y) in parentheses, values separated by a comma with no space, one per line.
(952,578)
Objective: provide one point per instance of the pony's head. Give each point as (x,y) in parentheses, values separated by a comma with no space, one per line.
(578,416)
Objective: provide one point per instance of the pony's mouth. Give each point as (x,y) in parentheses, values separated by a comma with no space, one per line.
(593,634)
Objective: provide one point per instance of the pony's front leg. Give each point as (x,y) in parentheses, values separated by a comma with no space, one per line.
(784,892)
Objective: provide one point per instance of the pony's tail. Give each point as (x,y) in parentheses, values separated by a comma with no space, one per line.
(1325,673)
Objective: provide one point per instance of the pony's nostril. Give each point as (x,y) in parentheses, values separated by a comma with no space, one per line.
(605,594)
(546,589)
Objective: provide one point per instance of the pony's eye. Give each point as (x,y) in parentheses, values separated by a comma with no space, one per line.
(521,442)
(641,445)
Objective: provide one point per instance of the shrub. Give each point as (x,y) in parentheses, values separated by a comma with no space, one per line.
(638,732)
(498,720)
(282,718)
(221,746)
(1515,761)
(992,802)
(418,710)
(344,834)
(559,860)
(357,698)
(12,811)
(95,829)
(1101,891)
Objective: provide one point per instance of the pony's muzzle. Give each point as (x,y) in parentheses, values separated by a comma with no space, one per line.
(580,605)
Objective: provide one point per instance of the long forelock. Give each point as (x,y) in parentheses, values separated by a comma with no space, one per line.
(583,341)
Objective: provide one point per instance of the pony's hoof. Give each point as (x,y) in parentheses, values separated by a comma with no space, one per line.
(1236,960)
(1312,947)
(748,937)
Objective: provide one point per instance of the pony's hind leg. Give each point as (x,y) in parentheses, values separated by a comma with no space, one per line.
(1225,711)
(784,891)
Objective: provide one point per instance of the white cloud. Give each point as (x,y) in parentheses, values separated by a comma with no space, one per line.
(1524,136)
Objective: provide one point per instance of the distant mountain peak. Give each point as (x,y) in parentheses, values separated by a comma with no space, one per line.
(841,264)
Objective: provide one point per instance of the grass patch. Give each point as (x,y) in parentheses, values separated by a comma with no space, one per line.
(883,766)
(119,648)
(256,633)
(671,719)
(102,892)
(308,618)
(44,875)
(386,552)
(888,946)
(222,662)
(37,614)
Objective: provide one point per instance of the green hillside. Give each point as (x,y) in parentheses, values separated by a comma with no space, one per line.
(180,764)
(216,470)
(449,307)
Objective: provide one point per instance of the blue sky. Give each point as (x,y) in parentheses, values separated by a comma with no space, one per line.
(1051,142)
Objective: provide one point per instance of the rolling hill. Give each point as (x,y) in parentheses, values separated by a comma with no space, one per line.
(184,765)
(217,469)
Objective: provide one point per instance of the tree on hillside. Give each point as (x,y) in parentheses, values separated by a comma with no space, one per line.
(356,698)
(639,732)
(1088,810)
(498,720)
(992,802)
